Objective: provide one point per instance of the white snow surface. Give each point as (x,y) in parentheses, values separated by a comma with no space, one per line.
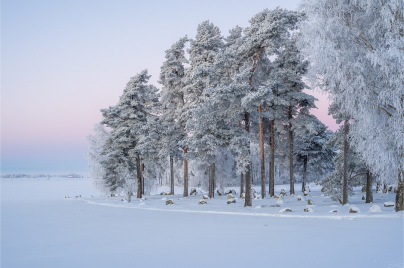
(40,228)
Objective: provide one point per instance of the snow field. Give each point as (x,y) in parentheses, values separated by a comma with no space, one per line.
(40,228)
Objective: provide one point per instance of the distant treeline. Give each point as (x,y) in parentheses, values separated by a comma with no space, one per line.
(40,176)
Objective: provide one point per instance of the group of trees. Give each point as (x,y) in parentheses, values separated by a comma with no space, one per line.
(227,95)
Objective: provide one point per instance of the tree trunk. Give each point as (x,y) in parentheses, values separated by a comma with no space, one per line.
(291,181)
(247,200)
(171,175)
(369,193)
(142,179)
(304,174)
(345,179)
(213,179)
(185,174)
(129,196)
(210,181)
(262,154)
(241,183)
(139,178)
(400,193)
(385,188)
(272,165)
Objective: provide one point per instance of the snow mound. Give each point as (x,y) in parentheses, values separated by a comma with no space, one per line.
(231,201)
(205,197)
(230,196)
(286,210)
(202,202)
(257,196)
(258,207)
(308,209)
(164,198)
(299,198)
(280,200)
(375,208)
(389,204)
(354,209)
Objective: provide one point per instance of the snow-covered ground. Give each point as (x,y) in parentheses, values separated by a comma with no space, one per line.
(41,228)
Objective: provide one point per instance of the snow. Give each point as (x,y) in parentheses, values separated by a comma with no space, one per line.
(40,228)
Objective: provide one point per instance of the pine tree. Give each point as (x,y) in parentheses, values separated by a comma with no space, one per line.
(127,121)
(172,102)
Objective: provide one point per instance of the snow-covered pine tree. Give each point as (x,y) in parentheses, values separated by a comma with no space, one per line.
(333,184)
(95,159)
(288,70)
(309,151)
(267,32)
(172,104)
(199,76)
(127,121)
(355,52)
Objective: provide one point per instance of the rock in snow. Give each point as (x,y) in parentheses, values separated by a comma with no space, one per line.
(375,208)
(205,197)
(334,210)
(193,191)
(310,202)
(354,210)
(169,202)
(286,210)
(308,209)
(299,198)
(230,196)
(231,201)
(389,204)
(202,202)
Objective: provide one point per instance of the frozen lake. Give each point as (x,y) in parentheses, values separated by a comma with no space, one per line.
(40,228)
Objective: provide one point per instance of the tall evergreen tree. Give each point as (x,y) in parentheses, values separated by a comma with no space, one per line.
(172,102)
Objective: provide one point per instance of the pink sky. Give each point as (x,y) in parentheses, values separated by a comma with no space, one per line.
(62,61)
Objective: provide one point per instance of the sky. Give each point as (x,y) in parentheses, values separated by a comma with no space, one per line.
(63,61)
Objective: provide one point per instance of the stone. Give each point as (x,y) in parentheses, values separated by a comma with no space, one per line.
(113,195)
(169,202)
(193,191)
(276,196)
(123,200)
(354,210)
(299,198)
(218,192)
(67,196)
(162,193)
(364,189)
(308,209)
(205,197)
(257,196)
(363,197)
(167,193)
(202,202)
(378,189)
(389,204)
(230,196)
(231,201)
(310,202)
(283,193)
(305,193)
(334,210)
(77,196)
(286,210)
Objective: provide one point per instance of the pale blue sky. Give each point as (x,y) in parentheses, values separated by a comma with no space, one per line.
(62,61)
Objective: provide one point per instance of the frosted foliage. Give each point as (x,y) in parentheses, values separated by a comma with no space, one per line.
(332,184)
(95,158)
(172,100)
(356,51)
(132,126)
